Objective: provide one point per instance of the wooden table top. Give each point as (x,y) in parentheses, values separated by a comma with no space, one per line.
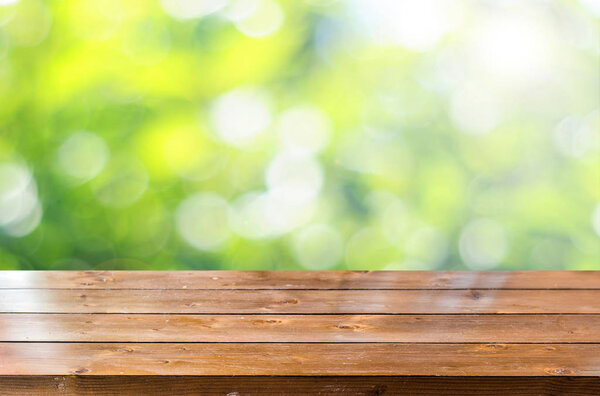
(143,324)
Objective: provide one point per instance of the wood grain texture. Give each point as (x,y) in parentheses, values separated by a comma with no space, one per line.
(300,328)
(253,386)
(299,359)
(303,332)
(300,279)
(300,301)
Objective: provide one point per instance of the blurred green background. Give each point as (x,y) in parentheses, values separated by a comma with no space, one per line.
(321,134)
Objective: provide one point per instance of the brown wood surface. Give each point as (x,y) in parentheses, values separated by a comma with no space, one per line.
(300,279)
(252,386)
(300,332)
(301,328)
(299,359)
(300,301)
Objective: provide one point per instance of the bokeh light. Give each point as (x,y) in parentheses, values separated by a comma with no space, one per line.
(512,47)
(416,25)
(122,183)
(367,248)
(20,209)
(240,115)
(576,137)
(475,110)
(202,221)
(83,155)
(427,245)
(259,215)
(318,247)
(304,129)
(294,178)
(256,18)
(483,244)
(596,219)
(30,23)
(314,134)
(189,9)
(97,20)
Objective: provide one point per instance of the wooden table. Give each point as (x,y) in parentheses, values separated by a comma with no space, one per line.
(236,333)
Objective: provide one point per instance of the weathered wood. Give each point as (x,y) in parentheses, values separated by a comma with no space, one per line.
(299,359)
(300,328)
(300,301)
(300,279)
(250,386)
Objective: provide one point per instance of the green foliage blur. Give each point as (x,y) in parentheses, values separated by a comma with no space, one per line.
(321,134)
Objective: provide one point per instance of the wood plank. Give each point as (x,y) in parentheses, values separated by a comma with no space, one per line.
(300,301)
(299,359)
(251,386)
(301,279)
(300,328)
